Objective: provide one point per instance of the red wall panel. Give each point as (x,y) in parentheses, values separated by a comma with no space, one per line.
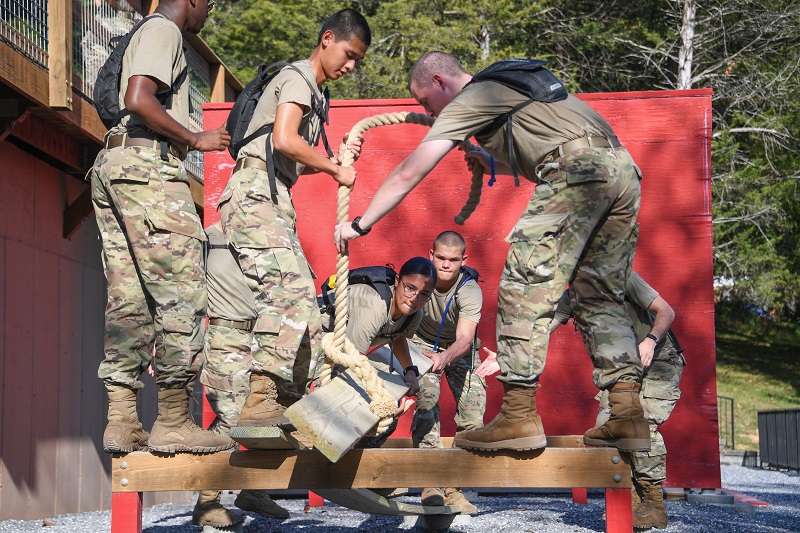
(667,132)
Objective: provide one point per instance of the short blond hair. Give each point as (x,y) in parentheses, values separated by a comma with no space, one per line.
(431,63)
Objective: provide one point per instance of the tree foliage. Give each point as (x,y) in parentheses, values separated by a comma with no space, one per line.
(746,50)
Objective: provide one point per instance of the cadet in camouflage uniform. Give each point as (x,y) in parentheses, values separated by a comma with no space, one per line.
(447,335)
(662,358)
(579,228)
(260,226)
(229,336)
(153,241)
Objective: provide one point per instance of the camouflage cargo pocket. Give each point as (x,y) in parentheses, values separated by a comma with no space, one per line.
(532,256)
(269,323)
(589,165)
(251,222)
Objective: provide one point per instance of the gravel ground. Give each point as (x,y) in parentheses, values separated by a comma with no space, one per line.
(515,513)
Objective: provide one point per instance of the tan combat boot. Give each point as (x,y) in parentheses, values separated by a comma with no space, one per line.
(208,511)
(516,427)
(626,429)
(124,432)
(263,407)
(174,431)
(636,495)
(258,501)
(432,497)
(456,497)
(651,513)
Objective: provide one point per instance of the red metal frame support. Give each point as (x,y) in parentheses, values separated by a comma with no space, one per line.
(580,495)
(126,512)
(619,512)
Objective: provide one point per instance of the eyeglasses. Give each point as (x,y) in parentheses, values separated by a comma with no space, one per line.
(210,4)
(411,292)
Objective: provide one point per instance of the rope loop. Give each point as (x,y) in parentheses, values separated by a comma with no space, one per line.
(337,348)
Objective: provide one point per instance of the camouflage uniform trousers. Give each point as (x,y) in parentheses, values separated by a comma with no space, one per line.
(288,329)
(469,393)
(578,228)
(659,394)
(153,262)
(226,374)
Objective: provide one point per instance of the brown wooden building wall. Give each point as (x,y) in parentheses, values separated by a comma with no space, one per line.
(52,299)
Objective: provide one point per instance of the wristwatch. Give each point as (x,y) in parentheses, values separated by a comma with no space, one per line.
(358,228)
(653,337)
(411,368)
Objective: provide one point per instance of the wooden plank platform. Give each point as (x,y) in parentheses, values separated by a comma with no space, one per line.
(568,466)
(372,468)
(335,417)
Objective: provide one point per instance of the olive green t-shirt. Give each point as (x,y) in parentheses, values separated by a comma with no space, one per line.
(287,86)
(155,50)
(638,297)
(369,323)
(539,128)
(229,297)
(466,304)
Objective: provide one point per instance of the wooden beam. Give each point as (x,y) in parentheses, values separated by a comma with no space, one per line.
(372,468)
(59,50)
(10,119)
(77,212)
(217,83)
(57,144)
(23,75)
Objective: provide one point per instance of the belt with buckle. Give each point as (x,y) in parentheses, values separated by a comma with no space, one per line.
(254,162)
(587,142)
(246,325)
(139,139)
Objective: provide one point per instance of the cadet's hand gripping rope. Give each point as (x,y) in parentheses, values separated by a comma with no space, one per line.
(338,349)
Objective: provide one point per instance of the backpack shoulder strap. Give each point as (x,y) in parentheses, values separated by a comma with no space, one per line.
(469,273)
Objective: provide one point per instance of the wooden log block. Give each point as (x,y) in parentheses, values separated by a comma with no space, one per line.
(266,438)
(553,441)
(335,417)
(367,501)
(372,468)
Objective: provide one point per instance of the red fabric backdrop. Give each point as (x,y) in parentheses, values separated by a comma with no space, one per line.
(667,132)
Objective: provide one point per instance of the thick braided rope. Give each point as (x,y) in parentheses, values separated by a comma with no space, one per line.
(337,348)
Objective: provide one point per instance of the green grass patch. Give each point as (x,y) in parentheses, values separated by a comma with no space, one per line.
(758,365)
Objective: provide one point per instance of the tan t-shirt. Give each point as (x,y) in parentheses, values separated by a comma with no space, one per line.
(539,128)
(229,297)
(466,304)
(286,86)
(155,50)
(369,323)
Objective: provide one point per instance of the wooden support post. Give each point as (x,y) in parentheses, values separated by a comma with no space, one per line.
(580,496)
(59,50)
(126,512)
(217,83)
(619,512)
(76,212)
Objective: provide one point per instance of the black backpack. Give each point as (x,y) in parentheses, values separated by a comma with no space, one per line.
(380,278)
(107,84)
(528,77)
(242,114)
